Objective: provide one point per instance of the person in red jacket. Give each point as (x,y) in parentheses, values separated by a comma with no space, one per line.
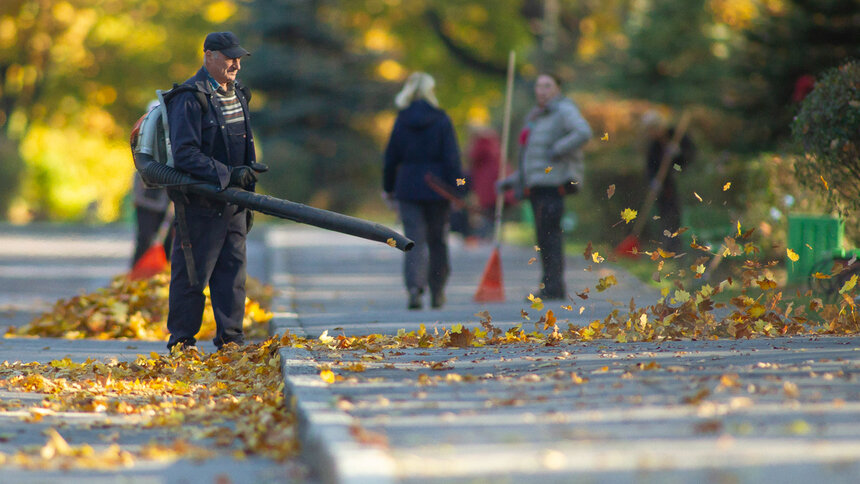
(484,159)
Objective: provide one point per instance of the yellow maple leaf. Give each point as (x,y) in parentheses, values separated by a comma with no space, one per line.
(547,169)
(595,256)
(355,366)
(550,320)
(327,376)
(792,255)
(605,137)
(766,284)
(391,242)
(461,182)
(325,338)
(605,283)
(756,310)
(537,303)
(628,215)
(849,284)
(681,296)
(727,186)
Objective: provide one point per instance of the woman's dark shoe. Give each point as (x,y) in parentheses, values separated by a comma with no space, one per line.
(437,300)
(414,300)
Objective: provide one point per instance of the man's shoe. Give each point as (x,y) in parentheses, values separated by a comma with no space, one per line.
(184,348)
(233,345)
(548,296)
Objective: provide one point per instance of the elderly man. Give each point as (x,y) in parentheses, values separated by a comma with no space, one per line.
(211,140)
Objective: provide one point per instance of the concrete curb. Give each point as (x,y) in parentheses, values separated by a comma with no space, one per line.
(328,447)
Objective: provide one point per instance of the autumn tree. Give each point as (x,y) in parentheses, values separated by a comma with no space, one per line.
(783,51)
(667,57)
(315,95)
(74,75)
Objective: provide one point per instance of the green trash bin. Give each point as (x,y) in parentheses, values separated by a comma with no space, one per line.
(526,215)
(812,238)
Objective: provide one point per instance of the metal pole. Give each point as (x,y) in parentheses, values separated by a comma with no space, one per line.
(506,129)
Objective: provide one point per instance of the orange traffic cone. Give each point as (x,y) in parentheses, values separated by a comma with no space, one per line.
(152,262)
(491,288)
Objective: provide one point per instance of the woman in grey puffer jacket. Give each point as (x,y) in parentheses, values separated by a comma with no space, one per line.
(551,165)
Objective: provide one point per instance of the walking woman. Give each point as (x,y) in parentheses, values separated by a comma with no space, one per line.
(422,143)
(551,165)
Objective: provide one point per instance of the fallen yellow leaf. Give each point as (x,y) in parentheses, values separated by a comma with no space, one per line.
(327,376)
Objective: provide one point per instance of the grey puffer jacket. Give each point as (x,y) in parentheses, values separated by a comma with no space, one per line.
(554,139)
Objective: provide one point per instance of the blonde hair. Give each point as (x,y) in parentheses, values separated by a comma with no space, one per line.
(419,85)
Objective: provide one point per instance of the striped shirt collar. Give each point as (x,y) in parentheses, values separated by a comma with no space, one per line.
(214,84)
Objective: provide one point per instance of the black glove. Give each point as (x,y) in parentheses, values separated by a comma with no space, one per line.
(260,167)
(242,176)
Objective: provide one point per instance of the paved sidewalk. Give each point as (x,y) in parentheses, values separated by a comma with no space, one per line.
(38,266)
(784,409)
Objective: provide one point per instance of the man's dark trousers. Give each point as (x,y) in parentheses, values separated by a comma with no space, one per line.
(548,208)
(218,244)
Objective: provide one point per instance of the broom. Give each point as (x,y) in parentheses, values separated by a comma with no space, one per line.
(154,260)
(491,288)
(629,247)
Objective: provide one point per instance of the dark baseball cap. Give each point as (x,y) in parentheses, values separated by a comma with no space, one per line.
(226,42)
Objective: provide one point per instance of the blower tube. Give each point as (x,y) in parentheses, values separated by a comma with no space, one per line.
(159,174)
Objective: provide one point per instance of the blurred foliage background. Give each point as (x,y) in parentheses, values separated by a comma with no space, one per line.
(75,75)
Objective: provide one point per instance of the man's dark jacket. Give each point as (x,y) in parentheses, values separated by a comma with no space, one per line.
(200,139)
(422,141)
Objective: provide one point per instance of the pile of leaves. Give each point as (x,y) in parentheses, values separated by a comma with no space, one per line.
(228,401)
(754,305)
(137,310)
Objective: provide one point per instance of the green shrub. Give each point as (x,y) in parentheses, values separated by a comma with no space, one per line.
(827,130)
(11,167)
